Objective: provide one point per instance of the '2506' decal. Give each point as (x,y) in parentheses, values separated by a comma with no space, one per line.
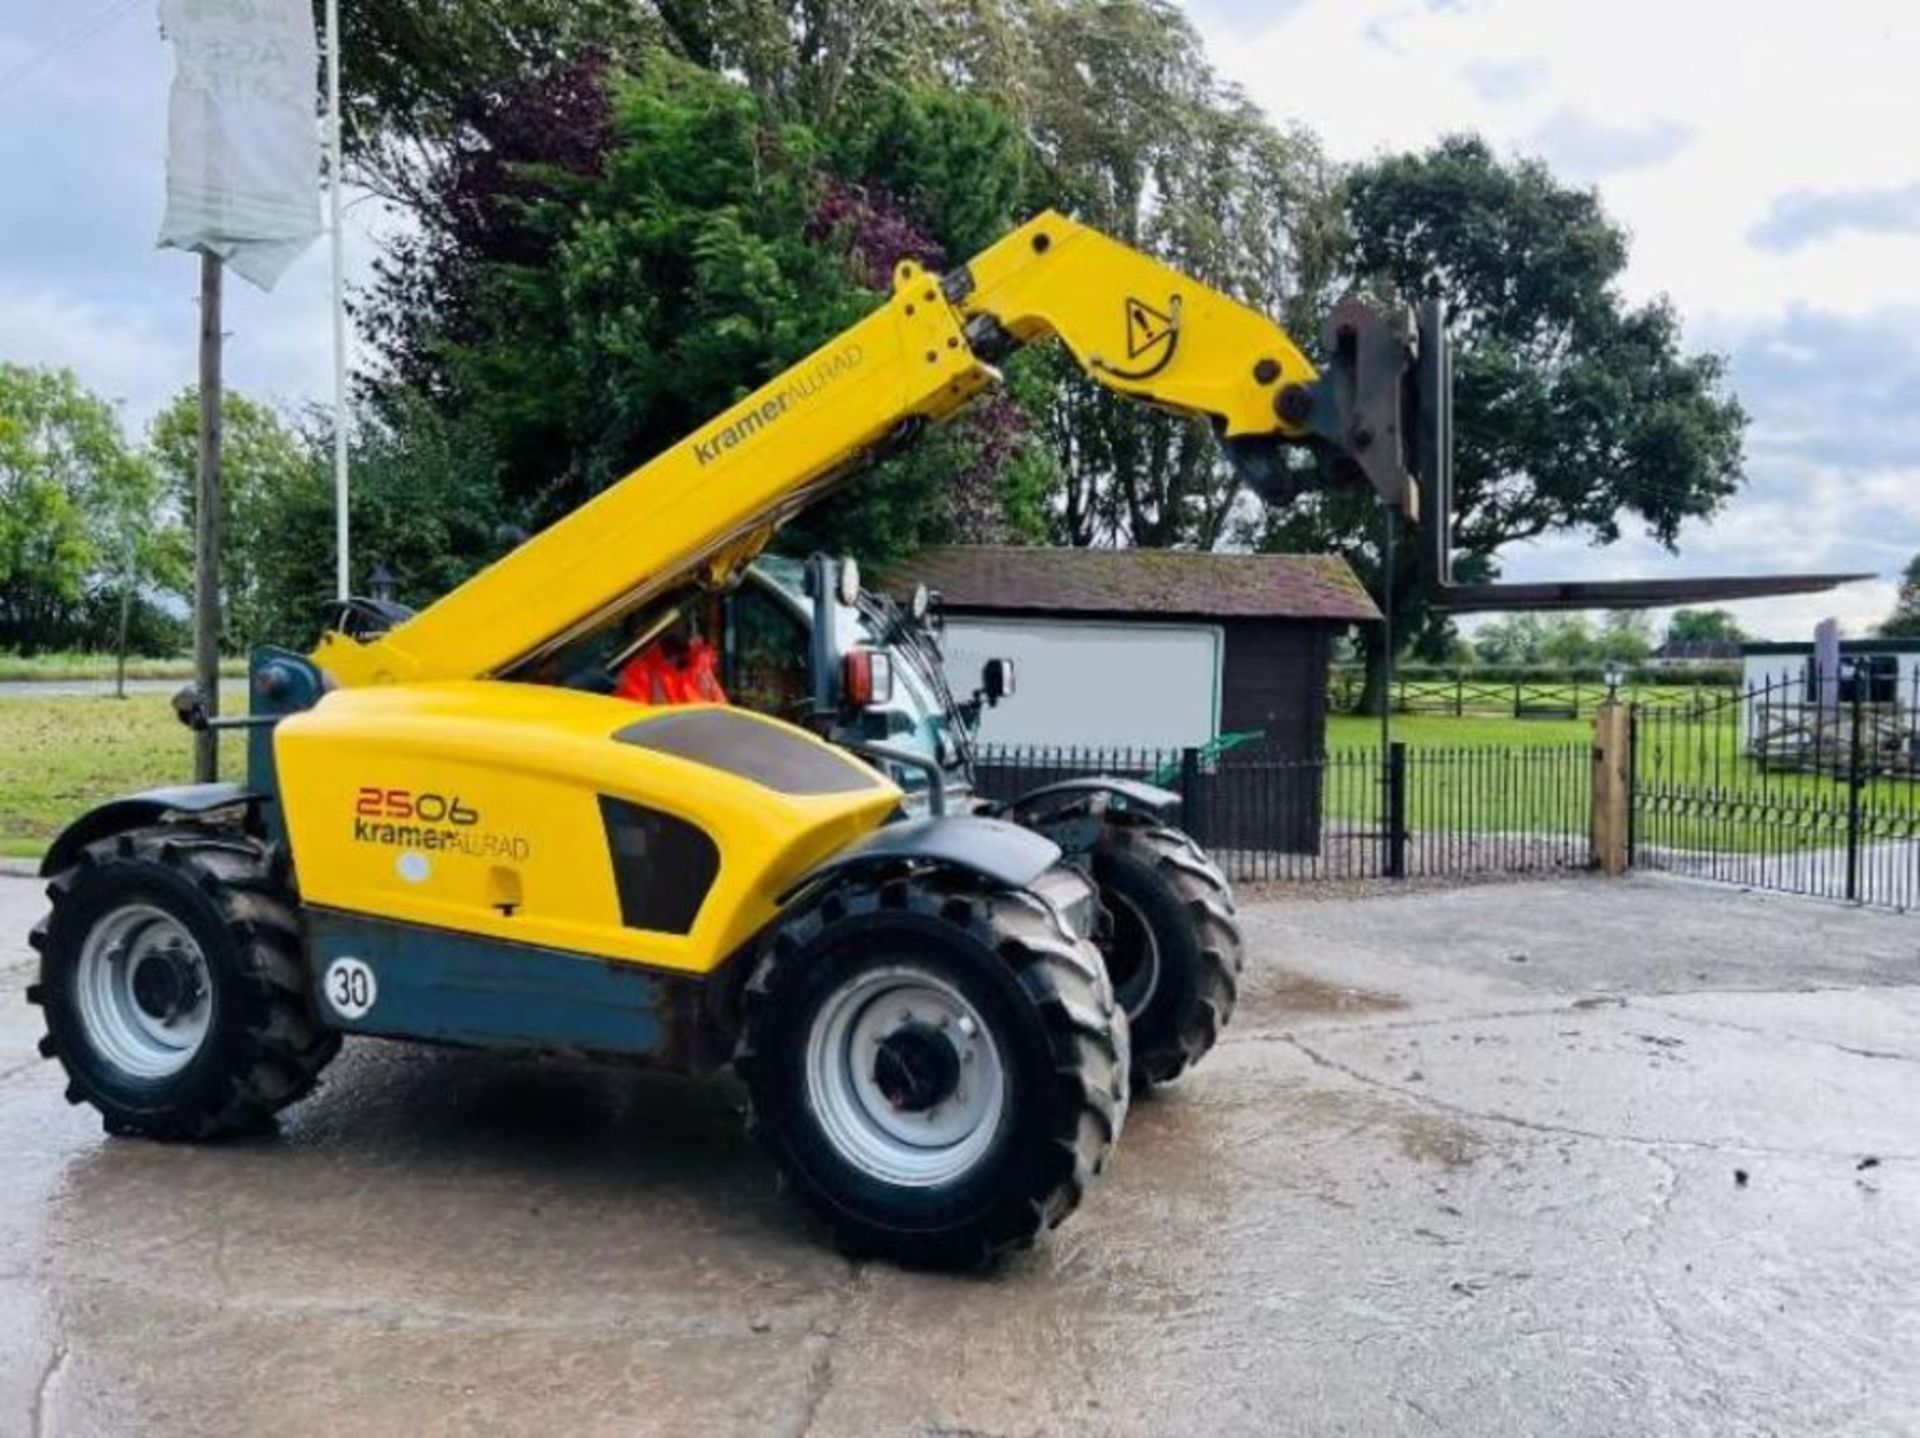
(427,807)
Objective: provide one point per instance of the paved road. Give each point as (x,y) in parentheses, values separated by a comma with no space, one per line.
(102,688)
(81,688)
(1471,1161)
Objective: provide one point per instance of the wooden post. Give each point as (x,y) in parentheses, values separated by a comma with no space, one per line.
(206,527)
(1612,788)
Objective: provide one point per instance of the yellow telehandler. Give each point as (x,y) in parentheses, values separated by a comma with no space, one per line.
(443,836)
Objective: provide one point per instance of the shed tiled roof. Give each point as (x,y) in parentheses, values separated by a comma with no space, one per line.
(1007,578)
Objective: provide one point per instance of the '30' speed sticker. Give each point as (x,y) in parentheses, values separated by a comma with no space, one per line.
(350,988)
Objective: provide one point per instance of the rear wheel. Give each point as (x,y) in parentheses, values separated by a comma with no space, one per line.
(1171,944)
(939,1068)
(172,984)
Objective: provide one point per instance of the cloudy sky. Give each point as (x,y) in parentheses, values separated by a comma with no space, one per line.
(1763,155)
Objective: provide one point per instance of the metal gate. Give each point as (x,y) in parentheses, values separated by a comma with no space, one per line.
(1781,786)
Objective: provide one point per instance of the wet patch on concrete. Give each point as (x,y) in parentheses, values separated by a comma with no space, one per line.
(1282,993)
(1428,1138)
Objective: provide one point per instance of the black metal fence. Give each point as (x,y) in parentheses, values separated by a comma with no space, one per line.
(1784,786)
(1352,813)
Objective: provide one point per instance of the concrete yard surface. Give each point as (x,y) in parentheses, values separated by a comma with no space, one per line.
(1560,1157)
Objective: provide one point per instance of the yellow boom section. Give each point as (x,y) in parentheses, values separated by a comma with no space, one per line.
(1137,326)
(712,500)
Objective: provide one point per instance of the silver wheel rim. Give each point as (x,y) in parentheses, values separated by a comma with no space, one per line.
(913,1149)
(146,1022)
(1133,991)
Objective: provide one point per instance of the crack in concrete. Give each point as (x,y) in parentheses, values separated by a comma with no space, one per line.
(1779,1034)
(24,1066)
(1375,1026)
(821,1374)
(49,1374)
(1627,1140)
(401,1316)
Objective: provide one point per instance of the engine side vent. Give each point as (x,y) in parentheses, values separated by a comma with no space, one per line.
(663,866)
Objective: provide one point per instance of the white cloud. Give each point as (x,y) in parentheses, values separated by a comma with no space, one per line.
(1771,100)
(126,357)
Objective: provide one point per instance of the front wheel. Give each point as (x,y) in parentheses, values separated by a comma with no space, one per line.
(939,1068)
(172,985)
(1171,944)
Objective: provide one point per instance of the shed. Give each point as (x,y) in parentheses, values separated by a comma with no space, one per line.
(1145,647)
(1889,670)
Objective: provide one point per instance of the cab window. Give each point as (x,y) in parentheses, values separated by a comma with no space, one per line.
(766,654)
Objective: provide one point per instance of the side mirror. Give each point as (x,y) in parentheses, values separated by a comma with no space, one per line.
(996,680)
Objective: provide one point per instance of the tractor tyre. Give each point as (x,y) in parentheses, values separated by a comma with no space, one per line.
(1171,942)
(937,1066)
(172,984)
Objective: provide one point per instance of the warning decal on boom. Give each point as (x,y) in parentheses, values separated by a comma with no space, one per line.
(1146,327)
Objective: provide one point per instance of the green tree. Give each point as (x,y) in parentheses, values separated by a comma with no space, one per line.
(630,254)
(80,513)
(1568,642)
(966,113)
(422,73)
(260,458)
(426,503)
(1704,626)
(1904,622)
(1626,637)
(1574,411)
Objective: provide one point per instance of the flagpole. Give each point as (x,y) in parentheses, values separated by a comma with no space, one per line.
(343,579)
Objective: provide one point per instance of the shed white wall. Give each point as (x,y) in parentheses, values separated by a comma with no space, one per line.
(1783,677)
(1093,682)
(1759,670)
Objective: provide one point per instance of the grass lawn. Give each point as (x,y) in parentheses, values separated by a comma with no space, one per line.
(1698,792)
(1475,731)
(59,757)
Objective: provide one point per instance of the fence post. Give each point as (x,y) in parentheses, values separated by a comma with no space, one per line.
(1191,818)
(1856,781)
(1612,785)
(1397,810)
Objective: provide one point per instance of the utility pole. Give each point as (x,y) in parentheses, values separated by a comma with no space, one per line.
(206,526)
(343,569)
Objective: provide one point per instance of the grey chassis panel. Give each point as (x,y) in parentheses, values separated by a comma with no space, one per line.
(996,850)
(130,811)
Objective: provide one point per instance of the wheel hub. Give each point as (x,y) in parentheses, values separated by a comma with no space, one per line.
(144,991)
(166,984)
(917,1068)
(904,1077)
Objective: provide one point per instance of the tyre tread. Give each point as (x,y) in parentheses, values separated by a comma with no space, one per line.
(278,1048)
(1207,898)
(1063,977)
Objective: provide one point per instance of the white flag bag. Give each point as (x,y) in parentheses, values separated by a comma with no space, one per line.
(243,144)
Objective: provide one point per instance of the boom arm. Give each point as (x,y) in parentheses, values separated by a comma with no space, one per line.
(712,501)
